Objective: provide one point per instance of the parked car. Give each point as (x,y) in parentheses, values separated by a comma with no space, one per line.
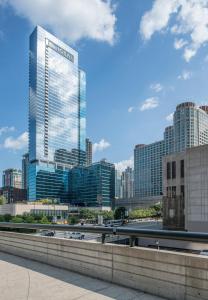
(47,233)
(76,235)
(204,252)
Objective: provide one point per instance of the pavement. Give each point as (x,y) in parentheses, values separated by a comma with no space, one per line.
(24,279)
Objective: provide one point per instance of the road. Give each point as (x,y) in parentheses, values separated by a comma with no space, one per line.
(155,225)
(93,236)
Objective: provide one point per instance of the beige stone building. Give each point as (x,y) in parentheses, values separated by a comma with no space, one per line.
(185,190)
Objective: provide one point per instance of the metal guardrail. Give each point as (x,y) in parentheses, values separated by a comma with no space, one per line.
(132,233)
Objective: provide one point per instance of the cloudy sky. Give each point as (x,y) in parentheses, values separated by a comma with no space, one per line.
(142,58)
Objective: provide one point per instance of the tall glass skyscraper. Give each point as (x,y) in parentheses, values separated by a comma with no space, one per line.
(57,115)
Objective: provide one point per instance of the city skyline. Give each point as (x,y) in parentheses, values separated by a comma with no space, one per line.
(118,104)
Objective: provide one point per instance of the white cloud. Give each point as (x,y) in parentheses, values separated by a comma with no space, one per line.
(18,143)
(122,165)
(169,118)
(101,145)
(131,108)
(189,19)
(6,129)
(149,103)
(157,87)
(157,18)
(179,43)
(185,75)
(69,19)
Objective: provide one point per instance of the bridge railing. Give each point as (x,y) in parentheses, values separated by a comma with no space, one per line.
(132,233)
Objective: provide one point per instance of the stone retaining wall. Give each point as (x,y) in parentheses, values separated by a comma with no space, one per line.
(167,274)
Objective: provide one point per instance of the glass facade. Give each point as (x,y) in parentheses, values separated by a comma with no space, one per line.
(93,186)
(57,115)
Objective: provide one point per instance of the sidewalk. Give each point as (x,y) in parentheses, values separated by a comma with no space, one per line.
(22,279)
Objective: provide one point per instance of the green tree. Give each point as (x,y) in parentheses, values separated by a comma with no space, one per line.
(2,218)
(17,219)
(7,217)
(73,220)
(119,213)
(29,219)
(2,200)
(86,213)
(107,215)
(44,220)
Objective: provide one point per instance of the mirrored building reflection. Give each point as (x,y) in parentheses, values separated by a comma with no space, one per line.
(57,116)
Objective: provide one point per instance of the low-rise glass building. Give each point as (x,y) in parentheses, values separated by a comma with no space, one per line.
(93,186)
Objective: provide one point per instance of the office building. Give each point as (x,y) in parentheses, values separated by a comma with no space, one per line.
(118,184)
(25,170)
(189,129)
(169,140)
(59,212)
(173,191)
(12,178)
(88,152)
(57,120)
(127,183)
(93,186)
(13,194)
(185,201)
(148,170)
(190,126)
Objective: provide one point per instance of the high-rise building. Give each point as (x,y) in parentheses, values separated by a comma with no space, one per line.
(57,116)
(190,128)
(88,152)
(118,184)
(127,183)
(93,186)
(148,169)
(12,178)
(169,139)
(25,169)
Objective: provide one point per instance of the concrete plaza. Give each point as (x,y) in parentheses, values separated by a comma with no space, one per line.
(23,279)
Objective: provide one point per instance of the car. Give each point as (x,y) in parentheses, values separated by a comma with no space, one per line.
(76,235)
(204,252)
(47,233)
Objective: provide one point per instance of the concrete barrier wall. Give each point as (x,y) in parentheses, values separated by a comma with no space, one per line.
(163,273)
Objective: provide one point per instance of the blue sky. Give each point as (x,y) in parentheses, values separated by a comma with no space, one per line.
(142,58)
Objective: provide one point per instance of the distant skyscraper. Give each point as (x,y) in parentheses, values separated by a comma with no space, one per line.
(12,178)
(127,183)
(190,128)
(88,152)
(57,118)
(169,139)
(118,184)
(148,169)
(25,169)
